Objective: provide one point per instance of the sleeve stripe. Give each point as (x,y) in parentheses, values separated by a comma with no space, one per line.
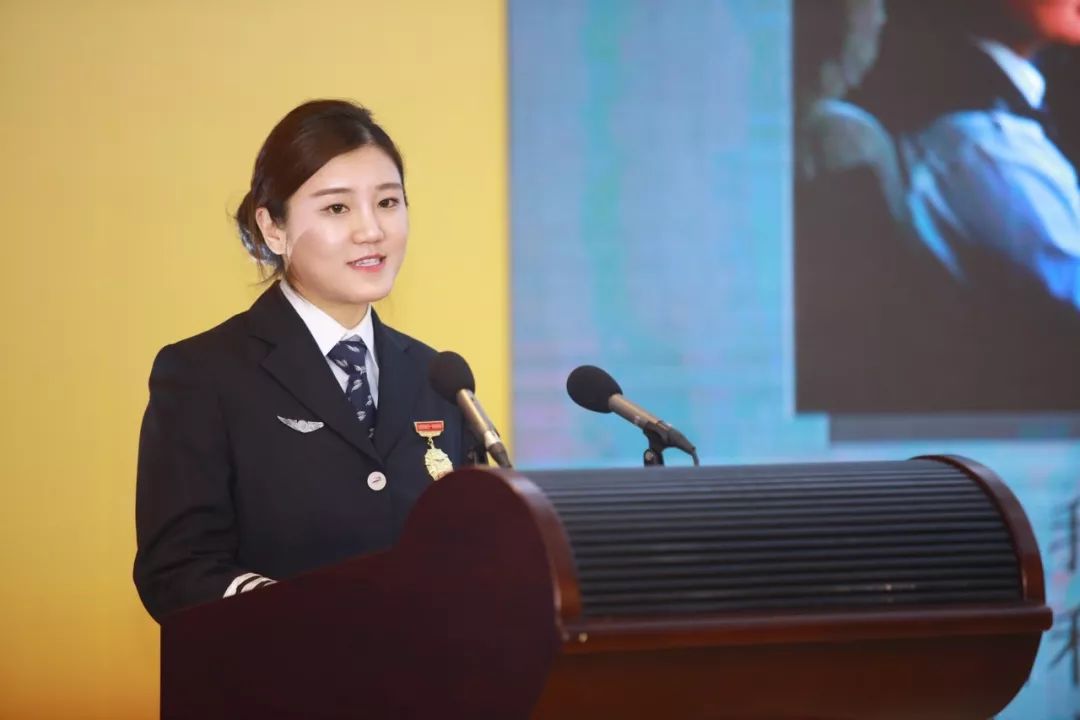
(249,583)
(257,583)
(237,581)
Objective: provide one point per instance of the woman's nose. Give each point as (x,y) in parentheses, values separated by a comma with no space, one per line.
(367,227)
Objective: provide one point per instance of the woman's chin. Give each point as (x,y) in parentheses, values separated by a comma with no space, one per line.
(369,293)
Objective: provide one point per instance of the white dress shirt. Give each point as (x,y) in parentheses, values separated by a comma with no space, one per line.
(1025,76)
(992,178)
(328,332)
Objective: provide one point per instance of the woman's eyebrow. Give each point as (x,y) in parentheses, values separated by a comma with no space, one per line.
(340,190)
(331,191)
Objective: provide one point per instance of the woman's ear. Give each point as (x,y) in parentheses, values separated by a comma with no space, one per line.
(272,233)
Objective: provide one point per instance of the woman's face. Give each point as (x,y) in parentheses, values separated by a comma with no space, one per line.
(344,238)
(1053,21)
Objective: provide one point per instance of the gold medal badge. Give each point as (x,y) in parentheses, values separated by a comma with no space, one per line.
(435,460)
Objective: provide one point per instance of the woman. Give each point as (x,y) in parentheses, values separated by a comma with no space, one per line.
(284,438)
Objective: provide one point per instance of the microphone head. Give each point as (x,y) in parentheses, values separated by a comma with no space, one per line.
(448,373)
(591,388)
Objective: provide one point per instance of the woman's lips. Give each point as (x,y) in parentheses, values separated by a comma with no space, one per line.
(369,263)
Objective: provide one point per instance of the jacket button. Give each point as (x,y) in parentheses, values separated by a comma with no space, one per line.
(376,481)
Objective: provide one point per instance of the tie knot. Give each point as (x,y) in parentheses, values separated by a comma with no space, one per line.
(349,355)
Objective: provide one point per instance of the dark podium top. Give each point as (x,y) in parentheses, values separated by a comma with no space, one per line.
(844,590)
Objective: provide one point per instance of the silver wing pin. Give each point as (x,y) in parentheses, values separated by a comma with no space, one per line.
(304,426)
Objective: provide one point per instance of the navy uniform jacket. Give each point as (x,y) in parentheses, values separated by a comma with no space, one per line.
(226,488)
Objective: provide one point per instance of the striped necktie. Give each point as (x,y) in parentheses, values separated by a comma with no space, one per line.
(350,355)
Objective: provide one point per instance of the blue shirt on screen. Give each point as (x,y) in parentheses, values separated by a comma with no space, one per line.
(993,179)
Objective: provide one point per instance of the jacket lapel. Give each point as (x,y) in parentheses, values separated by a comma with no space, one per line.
(400,379)
(295,362)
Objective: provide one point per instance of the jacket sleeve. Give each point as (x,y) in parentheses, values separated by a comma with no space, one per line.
(184,516)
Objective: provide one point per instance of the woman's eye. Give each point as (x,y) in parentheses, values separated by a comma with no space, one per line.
(389,202)
(336,209)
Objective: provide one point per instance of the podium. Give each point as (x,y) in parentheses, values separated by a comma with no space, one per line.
(908,589)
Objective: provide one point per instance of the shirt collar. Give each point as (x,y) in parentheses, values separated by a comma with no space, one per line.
(327,331)
(1023,73)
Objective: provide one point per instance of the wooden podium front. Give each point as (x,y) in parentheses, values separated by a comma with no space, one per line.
(847,590)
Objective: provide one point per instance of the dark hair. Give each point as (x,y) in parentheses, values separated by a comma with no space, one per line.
(303,141)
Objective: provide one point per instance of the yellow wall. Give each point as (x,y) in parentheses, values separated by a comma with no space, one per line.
(127,134)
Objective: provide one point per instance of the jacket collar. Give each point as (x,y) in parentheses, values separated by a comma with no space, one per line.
(295,361)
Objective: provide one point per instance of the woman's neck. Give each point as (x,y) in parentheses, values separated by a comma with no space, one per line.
(347,315)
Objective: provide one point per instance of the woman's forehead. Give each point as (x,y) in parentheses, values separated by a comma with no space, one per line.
(364,168)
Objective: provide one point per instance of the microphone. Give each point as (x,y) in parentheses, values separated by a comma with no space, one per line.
(593,389)
(451,377)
